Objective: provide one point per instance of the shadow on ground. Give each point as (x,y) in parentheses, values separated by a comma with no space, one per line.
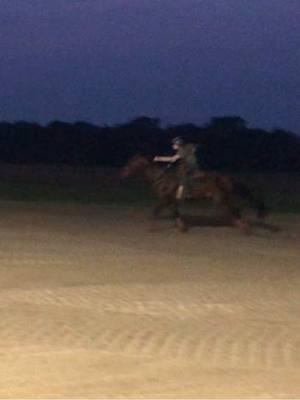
(221,222)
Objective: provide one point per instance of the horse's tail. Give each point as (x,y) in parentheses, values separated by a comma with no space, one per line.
(246,194)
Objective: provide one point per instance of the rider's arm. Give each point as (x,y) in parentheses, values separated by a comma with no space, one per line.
(167,158)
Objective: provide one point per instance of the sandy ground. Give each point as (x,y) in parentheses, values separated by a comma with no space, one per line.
(96,305)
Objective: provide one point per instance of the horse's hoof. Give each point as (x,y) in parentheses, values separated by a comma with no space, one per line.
(181,225)
(243,226)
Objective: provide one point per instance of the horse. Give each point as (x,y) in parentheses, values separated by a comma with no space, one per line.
(221,189)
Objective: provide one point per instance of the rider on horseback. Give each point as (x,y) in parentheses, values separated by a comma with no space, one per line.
(185,152)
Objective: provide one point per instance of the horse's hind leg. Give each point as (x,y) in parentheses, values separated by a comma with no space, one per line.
(254,201)
(233,213)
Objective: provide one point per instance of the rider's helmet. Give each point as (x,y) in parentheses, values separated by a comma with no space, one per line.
(178,141)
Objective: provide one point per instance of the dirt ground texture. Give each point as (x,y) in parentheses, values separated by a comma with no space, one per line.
(94,304)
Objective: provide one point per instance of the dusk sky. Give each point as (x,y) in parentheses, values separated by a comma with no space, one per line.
(108,61)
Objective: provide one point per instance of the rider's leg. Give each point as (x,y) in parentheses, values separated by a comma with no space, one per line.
(180,192)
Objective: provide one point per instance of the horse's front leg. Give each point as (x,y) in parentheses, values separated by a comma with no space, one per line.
(174,209)
(173,206)
(160,206)
(180,222)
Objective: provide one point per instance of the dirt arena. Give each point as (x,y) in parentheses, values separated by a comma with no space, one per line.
(96,305)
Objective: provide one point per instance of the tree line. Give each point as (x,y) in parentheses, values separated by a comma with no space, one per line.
(225,143)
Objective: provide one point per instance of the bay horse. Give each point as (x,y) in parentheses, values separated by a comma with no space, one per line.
(221,189)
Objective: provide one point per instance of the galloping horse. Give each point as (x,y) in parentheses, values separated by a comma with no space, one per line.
(219,188)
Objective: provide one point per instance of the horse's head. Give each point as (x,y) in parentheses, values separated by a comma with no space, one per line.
(135,164)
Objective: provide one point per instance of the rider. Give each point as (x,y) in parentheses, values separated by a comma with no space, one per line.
(187,153)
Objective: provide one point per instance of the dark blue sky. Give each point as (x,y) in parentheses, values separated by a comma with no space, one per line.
(107,61)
